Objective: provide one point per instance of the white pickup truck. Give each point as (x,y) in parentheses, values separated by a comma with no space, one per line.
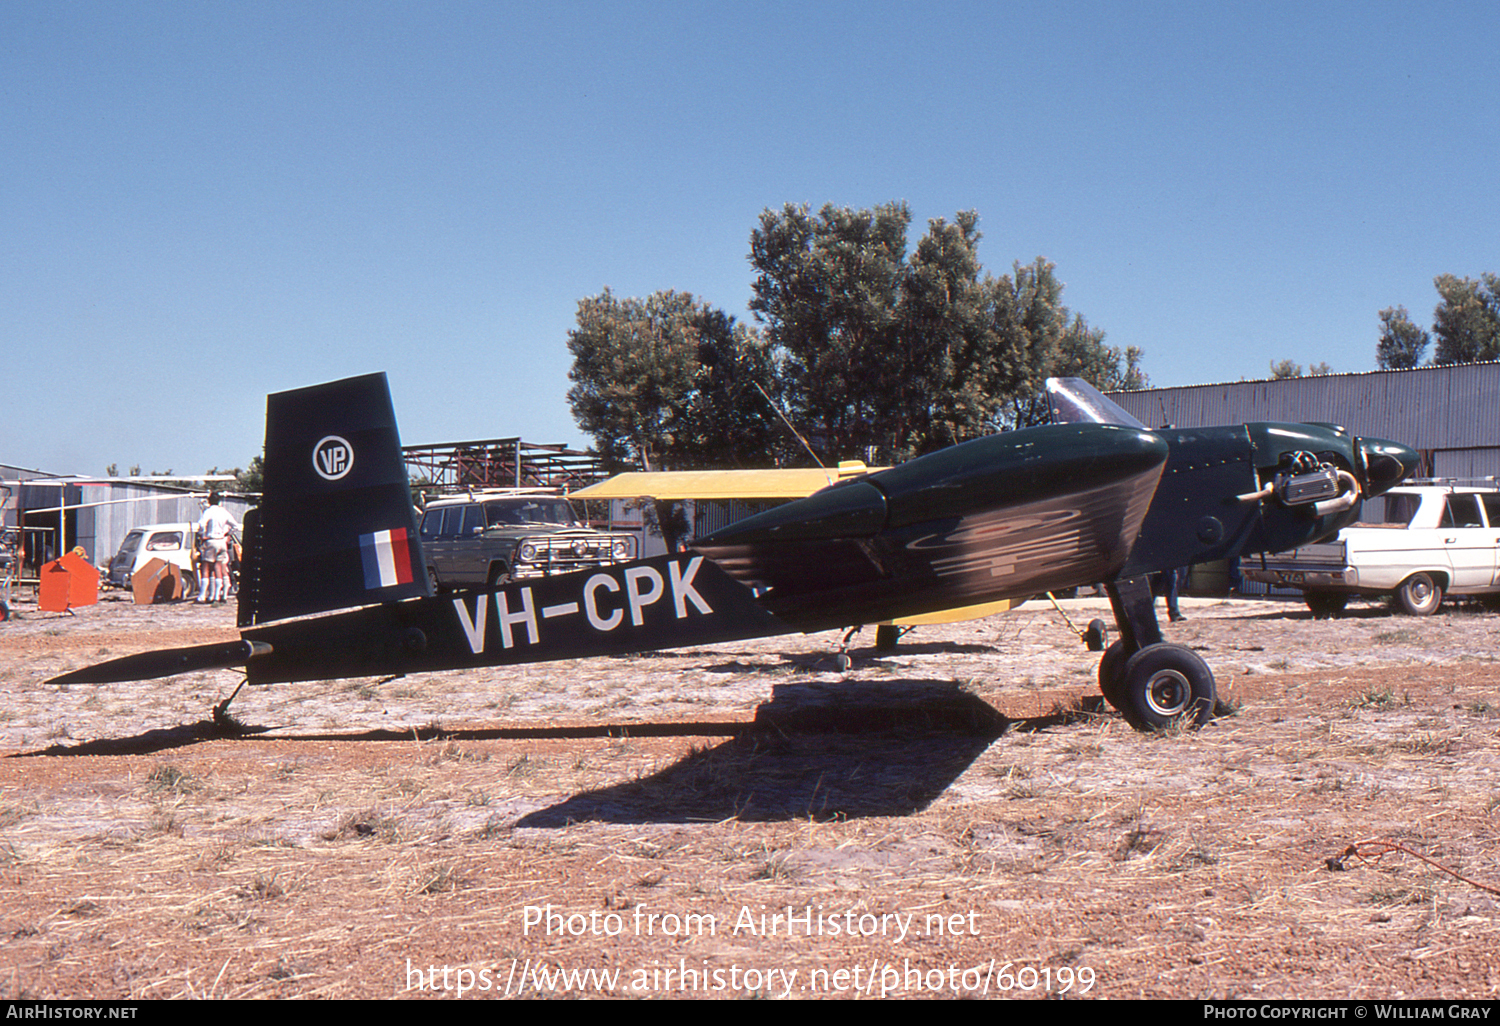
(1436,539)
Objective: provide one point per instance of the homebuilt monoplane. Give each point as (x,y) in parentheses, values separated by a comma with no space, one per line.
(333,583)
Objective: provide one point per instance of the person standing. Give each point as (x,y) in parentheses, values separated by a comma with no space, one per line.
(214,529)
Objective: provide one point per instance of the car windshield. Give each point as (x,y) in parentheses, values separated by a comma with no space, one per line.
(512,512)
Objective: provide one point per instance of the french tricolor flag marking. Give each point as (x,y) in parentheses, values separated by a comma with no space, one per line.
(387,558)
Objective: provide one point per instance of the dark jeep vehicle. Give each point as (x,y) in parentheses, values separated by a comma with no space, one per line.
(489,539)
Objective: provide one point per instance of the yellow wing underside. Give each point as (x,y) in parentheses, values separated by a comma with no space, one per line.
(765,484)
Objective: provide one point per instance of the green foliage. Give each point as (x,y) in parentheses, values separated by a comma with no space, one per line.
(873,354)
(251,479)
(1281,370)
(667,382)
(1466,324)
(1037,337)
(633,363)
(887,357)
(827,288)
(1401,343)
(1284,369)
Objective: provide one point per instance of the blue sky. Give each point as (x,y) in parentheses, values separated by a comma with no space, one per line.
(206,202)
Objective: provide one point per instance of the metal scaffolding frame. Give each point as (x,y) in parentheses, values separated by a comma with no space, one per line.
(502,463)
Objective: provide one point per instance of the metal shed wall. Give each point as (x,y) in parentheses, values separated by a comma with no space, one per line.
(107,524)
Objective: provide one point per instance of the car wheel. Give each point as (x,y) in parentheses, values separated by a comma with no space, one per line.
(1419,595)
(1165,686)
(499,575)
(1325,604)
(432,579)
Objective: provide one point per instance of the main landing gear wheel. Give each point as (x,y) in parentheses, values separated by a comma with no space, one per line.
(1166,685)
(1419,595)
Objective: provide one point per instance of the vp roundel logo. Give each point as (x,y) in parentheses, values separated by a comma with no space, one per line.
(333,457)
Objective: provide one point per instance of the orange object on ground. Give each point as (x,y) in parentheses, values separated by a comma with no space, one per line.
(68,582)
(156,581)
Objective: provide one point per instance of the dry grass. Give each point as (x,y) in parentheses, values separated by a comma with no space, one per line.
(317,861)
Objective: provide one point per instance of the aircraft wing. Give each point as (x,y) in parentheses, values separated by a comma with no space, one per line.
(777,483)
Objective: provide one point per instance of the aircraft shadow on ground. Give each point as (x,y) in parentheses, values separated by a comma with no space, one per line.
(145,743)
(819,752)
(816,749)
(823,662)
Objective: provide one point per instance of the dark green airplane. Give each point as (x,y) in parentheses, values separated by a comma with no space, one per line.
(333,583)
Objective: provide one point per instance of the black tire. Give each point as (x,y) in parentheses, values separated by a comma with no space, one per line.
(1419,595)
(1325,604)
(189,586)
(1111,677)
(432,579)
(886,637)
(1096,635)
(499,575)
(1167,686)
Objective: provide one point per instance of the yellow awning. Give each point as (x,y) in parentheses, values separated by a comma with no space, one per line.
(723,484)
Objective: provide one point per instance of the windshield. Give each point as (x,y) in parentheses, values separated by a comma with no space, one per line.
(1075,401)
(514,512)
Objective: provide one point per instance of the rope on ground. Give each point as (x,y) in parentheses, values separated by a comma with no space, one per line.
(1372,851)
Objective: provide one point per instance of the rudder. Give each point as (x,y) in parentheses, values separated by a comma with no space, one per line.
(336,527)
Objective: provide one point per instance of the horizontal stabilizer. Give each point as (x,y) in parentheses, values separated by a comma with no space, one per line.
(149,665)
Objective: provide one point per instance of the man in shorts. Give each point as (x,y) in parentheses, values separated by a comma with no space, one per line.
(214,528)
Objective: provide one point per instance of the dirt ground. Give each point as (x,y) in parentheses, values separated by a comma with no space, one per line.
(957,818)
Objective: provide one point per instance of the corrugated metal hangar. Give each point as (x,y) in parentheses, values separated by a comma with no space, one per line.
(94,514)
(1450,414)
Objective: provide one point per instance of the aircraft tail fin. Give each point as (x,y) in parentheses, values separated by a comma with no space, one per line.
(336,527)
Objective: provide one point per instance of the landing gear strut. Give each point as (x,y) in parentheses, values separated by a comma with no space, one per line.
(1153,683)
